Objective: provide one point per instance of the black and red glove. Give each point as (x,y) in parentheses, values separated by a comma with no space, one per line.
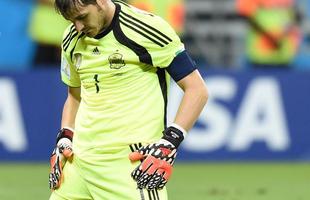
(60,154)
(157,160)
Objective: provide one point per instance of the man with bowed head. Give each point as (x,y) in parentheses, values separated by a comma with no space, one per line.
(116,61)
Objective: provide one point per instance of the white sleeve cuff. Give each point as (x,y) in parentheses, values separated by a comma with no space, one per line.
(180,128)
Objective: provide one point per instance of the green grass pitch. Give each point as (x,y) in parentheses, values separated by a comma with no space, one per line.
(195,181)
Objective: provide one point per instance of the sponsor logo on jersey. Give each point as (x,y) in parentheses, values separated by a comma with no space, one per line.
(96,51)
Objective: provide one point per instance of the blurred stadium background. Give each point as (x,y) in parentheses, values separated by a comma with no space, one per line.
(251,142)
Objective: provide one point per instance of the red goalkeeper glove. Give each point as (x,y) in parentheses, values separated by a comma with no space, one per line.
(60,154)
(157,160)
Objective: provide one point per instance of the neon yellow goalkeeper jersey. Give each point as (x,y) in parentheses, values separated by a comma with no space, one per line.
(122,78)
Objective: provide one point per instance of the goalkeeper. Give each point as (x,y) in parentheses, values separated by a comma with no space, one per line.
(114,143)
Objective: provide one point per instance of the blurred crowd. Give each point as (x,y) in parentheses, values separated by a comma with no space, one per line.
(229,34)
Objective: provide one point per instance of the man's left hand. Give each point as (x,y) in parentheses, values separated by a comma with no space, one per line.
(157,160)
(156,167)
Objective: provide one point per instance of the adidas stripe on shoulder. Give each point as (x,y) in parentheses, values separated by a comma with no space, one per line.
(69,37)
(145,30)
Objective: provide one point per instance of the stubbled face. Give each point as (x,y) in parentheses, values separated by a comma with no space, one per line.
(89,19)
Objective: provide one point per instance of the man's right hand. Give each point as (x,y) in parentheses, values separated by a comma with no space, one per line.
(61,153)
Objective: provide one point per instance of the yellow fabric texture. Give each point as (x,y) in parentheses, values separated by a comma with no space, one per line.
(122,99)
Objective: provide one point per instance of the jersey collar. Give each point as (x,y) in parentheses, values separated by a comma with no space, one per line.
(110,27)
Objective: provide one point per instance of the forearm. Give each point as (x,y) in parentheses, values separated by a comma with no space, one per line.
(63,149)
(190,108)
(194,99)
(70,108)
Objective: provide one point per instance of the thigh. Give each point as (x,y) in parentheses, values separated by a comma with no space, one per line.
(111,179)
(73,186)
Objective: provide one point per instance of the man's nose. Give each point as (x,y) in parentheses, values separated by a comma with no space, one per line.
(79,26)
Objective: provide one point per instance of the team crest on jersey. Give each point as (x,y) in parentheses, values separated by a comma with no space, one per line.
(116,61)
(77,60)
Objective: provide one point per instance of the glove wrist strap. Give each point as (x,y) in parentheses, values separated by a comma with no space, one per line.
(65,133)
(180,128)
(174,135)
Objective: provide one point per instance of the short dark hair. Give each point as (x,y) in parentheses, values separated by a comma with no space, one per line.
(67,7)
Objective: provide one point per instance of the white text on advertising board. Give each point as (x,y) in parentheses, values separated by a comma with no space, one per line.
(12,132)
(260,117)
